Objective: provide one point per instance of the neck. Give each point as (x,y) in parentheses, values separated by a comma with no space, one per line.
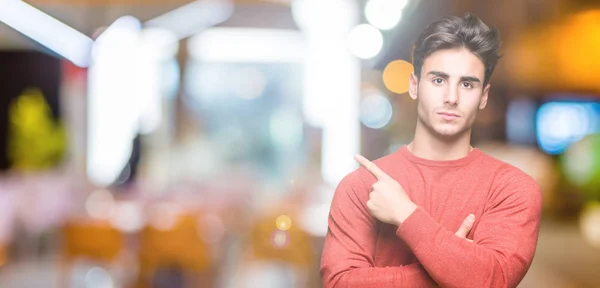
(430,146)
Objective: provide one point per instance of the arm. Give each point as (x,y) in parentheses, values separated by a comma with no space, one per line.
(504,240)
(347,259)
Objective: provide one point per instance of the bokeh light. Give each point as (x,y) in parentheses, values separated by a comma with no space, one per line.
(365,41)
(283,222)
(589,223)
(100,204)
(280,239)
(164,216)
(313,218)
(396,76)
(128,217)
(98,277)
(375,111)
(322,17)
(384,14)
(581,164)
(561,123)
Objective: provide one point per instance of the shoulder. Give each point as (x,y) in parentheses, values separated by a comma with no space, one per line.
(512,185)
(506,174)
(503,171)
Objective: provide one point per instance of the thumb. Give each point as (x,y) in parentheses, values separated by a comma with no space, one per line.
(465,227)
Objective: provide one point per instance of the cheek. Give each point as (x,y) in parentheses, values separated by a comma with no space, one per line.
(425,107)
(471,104)
(427,97)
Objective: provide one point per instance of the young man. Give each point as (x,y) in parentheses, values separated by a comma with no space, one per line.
(393,221)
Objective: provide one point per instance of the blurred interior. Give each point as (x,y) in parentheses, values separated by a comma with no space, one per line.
(198,143)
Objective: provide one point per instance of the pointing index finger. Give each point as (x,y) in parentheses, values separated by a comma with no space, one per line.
(371,167)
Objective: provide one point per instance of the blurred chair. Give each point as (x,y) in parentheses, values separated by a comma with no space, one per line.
(290,249)
(97,241)
(291,246)
(177,249)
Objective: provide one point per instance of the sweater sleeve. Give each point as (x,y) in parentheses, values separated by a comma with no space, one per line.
(347,259)
(504,240)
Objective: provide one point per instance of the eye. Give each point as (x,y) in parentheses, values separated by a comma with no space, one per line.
(438,81)
(467,85)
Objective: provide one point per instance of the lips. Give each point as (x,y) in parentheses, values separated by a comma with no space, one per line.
(448,116)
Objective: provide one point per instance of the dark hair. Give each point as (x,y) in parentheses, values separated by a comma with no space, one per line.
(454,32)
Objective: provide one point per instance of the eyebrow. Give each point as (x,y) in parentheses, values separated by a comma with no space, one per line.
(446,76)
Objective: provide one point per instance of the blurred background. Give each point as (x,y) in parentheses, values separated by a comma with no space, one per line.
(148,143)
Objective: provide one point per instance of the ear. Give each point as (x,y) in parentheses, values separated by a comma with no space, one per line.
(413,87)
(484,97)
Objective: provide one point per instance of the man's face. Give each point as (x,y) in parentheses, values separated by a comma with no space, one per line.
(450,91)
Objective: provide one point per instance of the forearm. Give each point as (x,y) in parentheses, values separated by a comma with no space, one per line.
(412,275)
(454,262)
(350,245)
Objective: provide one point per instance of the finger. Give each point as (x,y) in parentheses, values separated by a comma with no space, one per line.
(371,167)
(470,240)
(370,205)
(465,227)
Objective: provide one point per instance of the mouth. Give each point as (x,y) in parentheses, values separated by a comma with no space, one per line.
(448,116)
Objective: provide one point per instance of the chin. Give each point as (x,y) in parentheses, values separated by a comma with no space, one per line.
(448,132)
(443,130)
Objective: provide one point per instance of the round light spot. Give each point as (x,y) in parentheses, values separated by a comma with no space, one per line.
(164,216)
(375,111)
(365,41)
(384,14)
(128,217)
(581,165)
(280,239)
(283,222)
(578,164)
(590,224)
(100,204)
(98,277)
(396,76)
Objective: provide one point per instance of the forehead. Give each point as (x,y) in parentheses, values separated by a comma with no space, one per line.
(454,62)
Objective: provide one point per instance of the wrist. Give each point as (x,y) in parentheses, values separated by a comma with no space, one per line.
(405,211)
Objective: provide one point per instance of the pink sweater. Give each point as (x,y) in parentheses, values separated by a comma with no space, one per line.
(423,251)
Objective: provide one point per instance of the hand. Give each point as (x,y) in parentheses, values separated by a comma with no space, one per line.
(466,227)
(388,202)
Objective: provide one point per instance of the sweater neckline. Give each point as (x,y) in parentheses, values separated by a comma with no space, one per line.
(473,154)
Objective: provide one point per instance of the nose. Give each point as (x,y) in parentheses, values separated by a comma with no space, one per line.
(451,97)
